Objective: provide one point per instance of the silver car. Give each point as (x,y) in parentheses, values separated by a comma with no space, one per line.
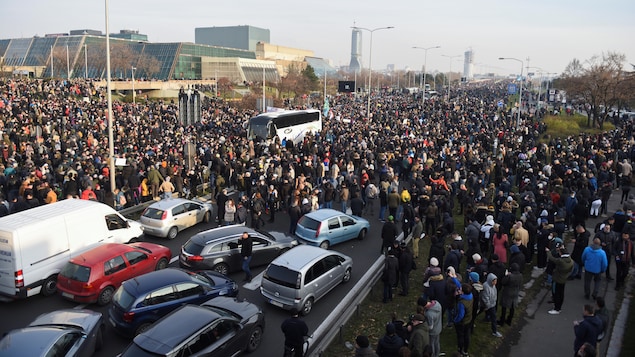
(166,218)
(59,333)
(303,275)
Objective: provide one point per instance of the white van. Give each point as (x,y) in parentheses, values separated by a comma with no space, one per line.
(36,243)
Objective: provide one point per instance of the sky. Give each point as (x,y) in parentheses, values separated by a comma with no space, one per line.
(544,35)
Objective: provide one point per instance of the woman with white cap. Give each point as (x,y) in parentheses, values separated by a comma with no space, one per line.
(487,230)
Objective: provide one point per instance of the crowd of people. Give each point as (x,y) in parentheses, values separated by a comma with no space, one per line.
(424,163)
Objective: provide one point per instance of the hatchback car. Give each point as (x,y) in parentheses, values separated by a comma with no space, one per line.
(219,327)
(303,275)
(166,218)
(59,333)
(326,227)
(141,301)
(94,275)
(217,248)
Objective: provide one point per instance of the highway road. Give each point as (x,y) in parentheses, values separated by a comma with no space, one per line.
(19,313)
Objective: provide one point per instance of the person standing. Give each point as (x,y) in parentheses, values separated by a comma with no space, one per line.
(166,188)
(563,266)
(388,234)
(607,237)
(230,213)
(295,213)
(623,252)
(294,330)
(434,316)
(405,266)
(241,212)
(155,179)
(389,344)
(581,241)
(595,263)
(362,347)
(500,242)
(511,285)
(463,317)
(420,336)
(489,297)
(417,234)
(588,329)
(246,244)
(389,274)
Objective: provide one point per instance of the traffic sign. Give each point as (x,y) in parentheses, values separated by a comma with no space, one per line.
(500,104)
(511,88)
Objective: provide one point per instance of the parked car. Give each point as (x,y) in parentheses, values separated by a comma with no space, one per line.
(167,217)
(141,301)
(303,275)
(326,227)
(220,327)
(217,248)
(59,333)
(93,276)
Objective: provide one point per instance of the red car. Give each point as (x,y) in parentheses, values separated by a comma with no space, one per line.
(94,275)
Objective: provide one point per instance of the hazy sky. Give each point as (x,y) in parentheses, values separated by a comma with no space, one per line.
(550,33)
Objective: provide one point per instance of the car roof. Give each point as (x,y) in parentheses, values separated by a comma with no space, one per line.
(31,341)
(324,213)
(145,283)
(70,317)
(169,203)
(220,232)
(101,253)
(175,328)
(298,257)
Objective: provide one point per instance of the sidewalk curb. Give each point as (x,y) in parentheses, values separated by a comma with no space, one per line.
(621,317)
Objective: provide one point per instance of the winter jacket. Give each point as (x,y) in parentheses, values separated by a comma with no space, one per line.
(587,331)
(365,352)
(511,285)
(419,339)
(564,267)
(453,260)
(489,293)
(389,345)
(436,290)
(594,259)
(434,316)
(464,307)
(581,242)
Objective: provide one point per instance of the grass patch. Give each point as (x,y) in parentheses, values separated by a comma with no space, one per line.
(372,315)
(565,125)
(628,344)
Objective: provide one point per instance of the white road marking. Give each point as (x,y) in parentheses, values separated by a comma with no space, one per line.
(255,283)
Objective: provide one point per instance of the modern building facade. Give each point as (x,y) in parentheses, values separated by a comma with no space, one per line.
(468,65)
(241,37)
(356,51)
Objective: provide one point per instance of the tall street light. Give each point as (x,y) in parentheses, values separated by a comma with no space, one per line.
(85,61)
(425,68)
(111,143)
(370,59)
(520,92)
(450,74)
(134,93)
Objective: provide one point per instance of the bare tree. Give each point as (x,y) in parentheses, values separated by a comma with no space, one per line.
(148,65)
(596,83)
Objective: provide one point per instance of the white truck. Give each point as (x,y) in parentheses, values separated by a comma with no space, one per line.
(36,243)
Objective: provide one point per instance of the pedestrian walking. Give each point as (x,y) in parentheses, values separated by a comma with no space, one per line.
(295,330)
(246,246)
(624,254)
(563,266)
(595,263)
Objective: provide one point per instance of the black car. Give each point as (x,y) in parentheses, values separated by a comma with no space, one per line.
(217,248)
(67,332)
(222,326)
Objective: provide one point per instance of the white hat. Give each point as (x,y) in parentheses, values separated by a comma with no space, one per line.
(305,201)
(434,262)
(476,257)
(489,219)
(602,226)
(509,198)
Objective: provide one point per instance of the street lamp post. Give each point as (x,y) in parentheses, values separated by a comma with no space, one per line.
(425,68)
(520,92)
(111,143)
(370,59)
(85,61)
(134,93)
(450,74)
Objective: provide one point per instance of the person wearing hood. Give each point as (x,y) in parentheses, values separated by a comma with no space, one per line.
(389,344)
(517,256)
(477,287)
(434,316)
(489,297)
(588,329)
(486,234)
(463,317)
(563,266)
(511,284)
(595,263)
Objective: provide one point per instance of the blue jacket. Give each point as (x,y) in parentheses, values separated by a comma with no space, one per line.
(594,259)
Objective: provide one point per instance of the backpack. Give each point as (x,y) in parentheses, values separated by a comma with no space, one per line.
(481,235)
(372,191)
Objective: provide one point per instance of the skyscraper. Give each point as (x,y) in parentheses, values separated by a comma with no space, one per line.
(468,65)
(356,51)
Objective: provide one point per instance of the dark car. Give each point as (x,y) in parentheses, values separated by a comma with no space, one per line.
(141,301)
(217,248)
(59,333)
(220,327)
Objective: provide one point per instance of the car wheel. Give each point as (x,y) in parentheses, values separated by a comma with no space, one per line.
(142,328)
(173,232)
(325,244)
(105,296)
(49,287)
(254,339)
(347,276)
(222,268)
(362,234)
(206,217)
(162,264)
(306,308)
(99,339)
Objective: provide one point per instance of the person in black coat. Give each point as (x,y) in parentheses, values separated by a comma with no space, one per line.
(405,266)
(581,241)
(454,258)
(357,204)
(388,234)
(390,343)
(437,250)
(294,329)
(517,257)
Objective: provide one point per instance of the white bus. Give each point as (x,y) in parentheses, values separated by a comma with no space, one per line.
(289,124)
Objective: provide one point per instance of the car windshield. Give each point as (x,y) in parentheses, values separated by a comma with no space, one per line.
(200,278)
(192,247)
(153,213)
(76,272)
(123,298)
(309,223)
(283,276)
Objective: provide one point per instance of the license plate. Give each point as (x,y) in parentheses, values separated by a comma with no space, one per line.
(275,303)
(112,322)
(68,296)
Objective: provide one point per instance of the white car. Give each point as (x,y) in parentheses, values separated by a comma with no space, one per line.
(166,218)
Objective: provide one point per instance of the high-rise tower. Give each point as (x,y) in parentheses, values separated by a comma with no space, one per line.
(356,51)
(468,65)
